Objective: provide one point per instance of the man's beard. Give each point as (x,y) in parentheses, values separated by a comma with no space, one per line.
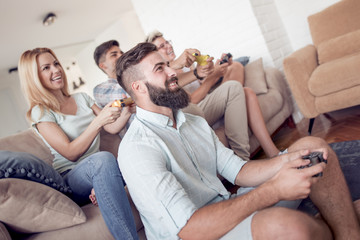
(174,99)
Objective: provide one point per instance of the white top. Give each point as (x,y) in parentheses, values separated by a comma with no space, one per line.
(72,125)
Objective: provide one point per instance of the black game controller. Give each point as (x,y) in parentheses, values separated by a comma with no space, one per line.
(315,158)
(226,58)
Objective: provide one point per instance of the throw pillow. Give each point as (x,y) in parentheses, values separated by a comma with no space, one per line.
(27,166)
(243,60)
(255,77)
(29,207)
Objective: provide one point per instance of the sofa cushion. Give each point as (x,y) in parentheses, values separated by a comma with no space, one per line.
(255,77)
(335,76)
(270,104)
(27,166)
(27,207)
(339,47)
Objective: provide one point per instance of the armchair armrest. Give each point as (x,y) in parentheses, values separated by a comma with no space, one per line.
(298,68)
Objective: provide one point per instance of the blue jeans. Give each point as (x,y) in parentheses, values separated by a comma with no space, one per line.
(101,172)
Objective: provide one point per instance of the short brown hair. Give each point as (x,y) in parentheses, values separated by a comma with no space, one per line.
(102,49)
(126,71)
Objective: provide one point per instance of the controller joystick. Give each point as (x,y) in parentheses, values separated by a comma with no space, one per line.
(226,58)
(122,102)
(315,158)
(201,59)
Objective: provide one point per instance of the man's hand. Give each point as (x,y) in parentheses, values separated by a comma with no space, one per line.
(291,183)
(186,59)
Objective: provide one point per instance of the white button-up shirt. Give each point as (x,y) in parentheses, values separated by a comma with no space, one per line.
(170,173)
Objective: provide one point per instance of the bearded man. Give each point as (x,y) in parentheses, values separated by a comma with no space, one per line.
(170,162)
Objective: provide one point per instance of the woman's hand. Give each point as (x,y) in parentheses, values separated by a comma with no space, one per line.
(186,59)
(108,115)
(129,109)
(113,119)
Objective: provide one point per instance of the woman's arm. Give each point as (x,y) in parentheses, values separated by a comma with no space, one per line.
(200,93)
(73,150)
(202,71)
(120,123)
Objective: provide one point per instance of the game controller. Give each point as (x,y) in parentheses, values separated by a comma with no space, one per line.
(315,158)
(201,59)
(122,102)
(226,58)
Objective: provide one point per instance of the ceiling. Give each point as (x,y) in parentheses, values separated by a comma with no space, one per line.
(78,22)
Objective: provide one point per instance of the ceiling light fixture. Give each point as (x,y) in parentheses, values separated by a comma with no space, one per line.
(49,19)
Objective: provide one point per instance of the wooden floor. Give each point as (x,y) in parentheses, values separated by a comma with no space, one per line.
(337,126)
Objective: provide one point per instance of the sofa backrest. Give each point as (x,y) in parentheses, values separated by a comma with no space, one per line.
(336,20)
(109,142)
(30,142)
(27,141)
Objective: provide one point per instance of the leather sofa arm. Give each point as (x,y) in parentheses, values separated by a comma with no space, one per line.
(298,68)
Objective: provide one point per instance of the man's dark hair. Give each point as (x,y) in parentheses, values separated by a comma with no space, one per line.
(126,71)
(102,49)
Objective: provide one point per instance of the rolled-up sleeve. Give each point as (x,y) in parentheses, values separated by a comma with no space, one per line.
(228,164)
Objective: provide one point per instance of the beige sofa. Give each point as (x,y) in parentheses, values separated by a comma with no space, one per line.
(30,210)
(325,76)
(39,217)
(274,98)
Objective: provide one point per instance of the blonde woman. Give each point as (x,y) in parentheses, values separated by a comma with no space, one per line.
(70,126)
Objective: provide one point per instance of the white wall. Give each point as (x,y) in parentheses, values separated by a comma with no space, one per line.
(212,26)
(12,105)
(270,29)
(126,30)
(294,15)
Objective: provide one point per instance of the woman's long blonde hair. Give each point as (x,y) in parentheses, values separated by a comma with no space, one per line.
(34,91)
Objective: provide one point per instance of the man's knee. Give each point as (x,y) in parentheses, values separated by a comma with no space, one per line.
(308,142)
(233,88)
(281,223)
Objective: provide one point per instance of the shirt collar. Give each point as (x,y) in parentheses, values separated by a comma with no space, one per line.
(112,80)
(160,119)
